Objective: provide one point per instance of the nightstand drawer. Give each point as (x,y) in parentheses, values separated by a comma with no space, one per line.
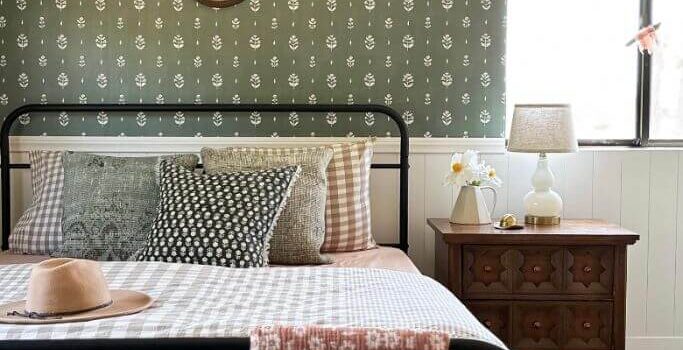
(500,270)
(552,325)
(589,326)
(538,269)
(548,325)
(536,325)
(590,270)
(493,315)
(487,269)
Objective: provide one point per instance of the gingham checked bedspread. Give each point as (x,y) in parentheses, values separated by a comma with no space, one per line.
(205,301)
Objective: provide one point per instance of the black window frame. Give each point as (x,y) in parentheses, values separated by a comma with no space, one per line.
(643,98)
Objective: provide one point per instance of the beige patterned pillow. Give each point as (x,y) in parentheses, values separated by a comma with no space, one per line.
(348,198)
(300,230)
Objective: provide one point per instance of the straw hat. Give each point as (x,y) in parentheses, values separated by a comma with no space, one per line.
(71,290)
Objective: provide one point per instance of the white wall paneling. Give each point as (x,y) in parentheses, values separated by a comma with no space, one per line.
(578,187)
(606,187)
(438,201)
(639,189)
(384,199)
(678,294)
(416,208)
(662,244)
(633,217)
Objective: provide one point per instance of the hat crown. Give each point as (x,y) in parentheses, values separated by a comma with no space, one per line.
(60,286)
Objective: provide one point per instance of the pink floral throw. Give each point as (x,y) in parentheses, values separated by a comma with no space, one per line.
(321,338)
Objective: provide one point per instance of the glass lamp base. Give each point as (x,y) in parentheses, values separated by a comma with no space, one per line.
(541,220)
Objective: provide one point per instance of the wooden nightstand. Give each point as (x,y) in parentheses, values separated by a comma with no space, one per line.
(543,287)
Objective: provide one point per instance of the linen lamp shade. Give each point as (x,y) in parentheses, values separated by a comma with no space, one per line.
(542,128)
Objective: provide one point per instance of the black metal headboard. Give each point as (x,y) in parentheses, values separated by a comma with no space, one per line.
(402,165)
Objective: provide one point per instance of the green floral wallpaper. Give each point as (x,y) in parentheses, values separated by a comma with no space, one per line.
(441,63)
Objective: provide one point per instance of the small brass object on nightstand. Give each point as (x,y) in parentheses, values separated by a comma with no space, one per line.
(508,222)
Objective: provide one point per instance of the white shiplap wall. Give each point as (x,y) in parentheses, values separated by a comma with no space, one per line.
(638,189)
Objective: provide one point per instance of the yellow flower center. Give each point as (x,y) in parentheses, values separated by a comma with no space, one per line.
(457,167)
(492,173)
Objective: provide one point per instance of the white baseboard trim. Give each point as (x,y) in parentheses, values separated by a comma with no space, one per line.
(654,343)
(161,145)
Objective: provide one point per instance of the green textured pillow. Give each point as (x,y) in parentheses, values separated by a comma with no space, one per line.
(300,231)
(110,204)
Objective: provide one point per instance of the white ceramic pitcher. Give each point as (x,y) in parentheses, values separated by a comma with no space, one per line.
(470,207)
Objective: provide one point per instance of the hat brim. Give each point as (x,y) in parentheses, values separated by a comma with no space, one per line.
(124,302)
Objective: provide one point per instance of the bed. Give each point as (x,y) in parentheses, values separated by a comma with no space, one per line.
(214,307)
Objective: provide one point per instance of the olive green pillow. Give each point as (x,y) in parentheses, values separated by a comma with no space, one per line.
(110,204)
(300,230)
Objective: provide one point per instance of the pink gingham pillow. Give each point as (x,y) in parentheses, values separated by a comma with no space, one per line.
(347,212)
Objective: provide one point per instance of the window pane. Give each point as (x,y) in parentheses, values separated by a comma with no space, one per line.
(666,111)
(573,51)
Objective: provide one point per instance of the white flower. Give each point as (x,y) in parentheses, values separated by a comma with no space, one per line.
(462,170)
(467,169)
(492,176)
(470,157)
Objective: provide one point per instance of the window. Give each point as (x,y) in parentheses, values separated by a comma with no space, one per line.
(666,92)
(573,51)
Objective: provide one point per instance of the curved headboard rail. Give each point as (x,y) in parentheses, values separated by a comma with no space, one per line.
(402,165)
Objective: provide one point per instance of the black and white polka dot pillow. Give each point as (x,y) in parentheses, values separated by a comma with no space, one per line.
(223,219)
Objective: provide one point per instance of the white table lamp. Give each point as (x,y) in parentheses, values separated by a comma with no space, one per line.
(542,129)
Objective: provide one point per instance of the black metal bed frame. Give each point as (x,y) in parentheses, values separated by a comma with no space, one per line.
(6,165)
(197,343)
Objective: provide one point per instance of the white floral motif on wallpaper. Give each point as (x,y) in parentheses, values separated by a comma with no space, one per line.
(440,63)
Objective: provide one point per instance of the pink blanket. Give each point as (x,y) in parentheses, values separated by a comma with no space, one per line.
(326,338)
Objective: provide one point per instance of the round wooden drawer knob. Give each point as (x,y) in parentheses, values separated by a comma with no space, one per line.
(536,324)
(537,269)
(488,323)
(587,325)
(587,269)
(488,268)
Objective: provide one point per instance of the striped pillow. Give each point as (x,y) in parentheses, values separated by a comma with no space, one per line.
(39,229)
(347,213)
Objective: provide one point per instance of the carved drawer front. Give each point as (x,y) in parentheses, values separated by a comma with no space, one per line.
(589,326)
(538,269)
(536,325)
(494,316)
(589,270)
(486,270)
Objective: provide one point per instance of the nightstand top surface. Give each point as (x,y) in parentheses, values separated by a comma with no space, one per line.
(570,231)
